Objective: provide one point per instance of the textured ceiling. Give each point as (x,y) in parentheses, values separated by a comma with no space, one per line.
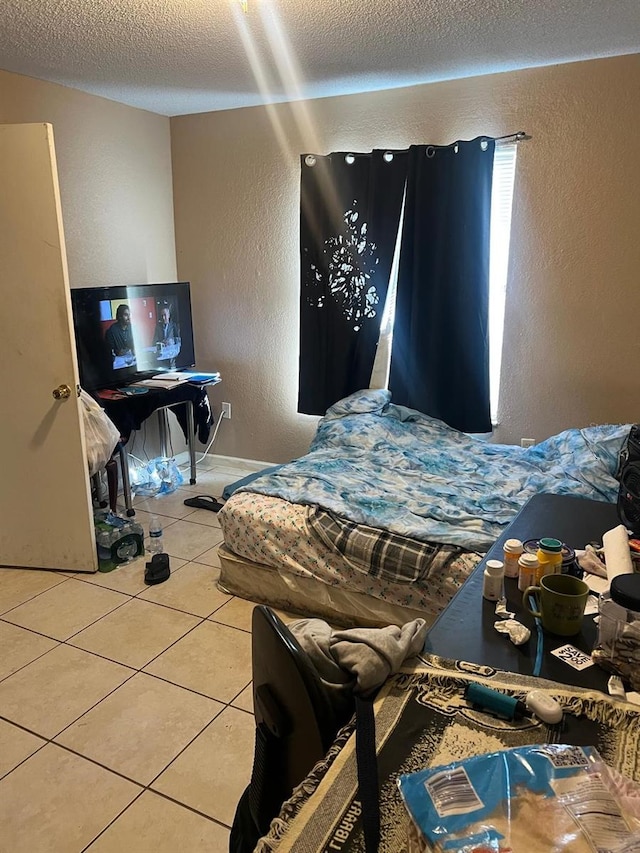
(184,56)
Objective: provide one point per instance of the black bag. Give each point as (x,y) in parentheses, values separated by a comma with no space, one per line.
(628,474)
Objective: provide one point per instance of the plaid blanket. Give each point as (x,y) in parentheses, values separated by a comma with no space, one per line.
(383,554)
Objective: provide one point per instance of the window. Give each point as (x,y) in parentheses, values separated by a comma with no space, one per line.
(504,170)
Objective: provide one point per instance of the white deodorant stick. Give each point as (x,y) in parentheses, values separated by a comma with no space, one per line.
(544,707)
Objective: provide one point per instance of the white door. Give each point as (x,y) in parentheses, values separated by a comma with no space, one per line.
(46,519)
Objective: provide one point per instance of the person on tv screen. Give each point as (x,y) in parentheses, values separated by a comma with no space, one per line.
(166,330)
(119,336)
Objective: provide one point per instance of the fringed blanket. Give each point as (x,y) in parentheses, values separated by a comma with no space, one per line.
(423,720)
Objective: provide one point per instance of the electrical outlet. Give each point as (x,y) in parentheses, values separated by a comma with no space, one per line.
(524,442)
(226,410)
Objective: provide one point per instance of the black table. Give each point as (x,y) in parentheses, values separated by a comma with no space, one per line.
(188,402)
(465,628)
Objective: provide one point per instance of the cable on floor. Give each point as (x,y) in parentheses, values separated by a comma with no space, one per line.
(216,427)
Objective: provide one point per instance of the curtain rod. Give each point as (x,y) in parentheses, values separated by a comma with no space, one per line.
(520,136)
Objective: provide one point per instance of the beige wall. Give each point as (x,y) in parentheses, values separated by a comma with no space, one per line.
(571,346)
(573,298)
(114,168)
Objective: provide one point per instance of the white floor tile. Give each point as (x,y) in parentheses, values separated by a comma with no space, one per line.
(155,824)
(70,650)
(211,774)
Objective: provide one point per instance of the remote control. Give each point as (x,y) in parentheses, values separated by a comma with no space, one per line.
(544,707)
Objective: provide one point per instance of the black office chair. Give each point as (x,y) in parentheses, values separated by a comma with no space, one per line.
(296,724)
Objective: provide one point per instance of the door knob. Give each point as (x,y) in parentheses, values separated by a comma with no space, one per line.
(62,392)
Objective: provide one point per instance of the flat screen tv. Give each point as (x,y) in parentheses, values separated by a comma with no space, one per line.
(128,332)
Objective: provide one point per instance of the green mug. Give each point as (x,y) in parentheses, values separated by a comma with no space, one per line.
(561,601)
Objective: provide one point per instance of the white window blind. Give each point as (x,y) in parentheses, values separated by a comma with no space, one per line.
(504,170)
(382,362)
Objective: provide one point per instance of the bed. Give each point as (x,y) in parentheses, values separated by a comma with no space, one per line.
(389,512)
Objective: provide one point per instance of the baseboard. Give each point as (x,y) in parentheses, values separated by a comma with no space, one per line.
(182,458)
(238,462)
(249,465)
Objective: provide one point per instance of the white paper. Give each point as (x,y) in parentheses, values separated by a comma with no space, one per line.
(177,374)
(164,384)
(595,584)
(616,552)
(574,657)
(592,606)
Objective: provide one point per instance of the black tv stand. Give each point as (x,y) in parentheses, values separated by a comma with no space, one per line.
(129,412)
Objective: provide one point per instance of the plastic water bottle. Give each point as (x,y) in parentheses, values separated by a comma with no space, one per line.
(155,536)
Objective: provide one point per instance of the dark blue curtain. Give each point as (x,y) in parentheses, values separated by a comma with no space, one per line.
(349,218)
(440,351)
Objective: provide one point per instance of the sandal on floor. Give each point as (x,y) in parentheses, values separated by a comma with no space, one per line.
(204,502)
(157,570)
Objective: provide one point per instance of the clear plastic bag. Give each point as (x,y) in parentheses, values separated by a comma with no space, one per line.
(158,476)
(101,434)
(538,799)
(618,645)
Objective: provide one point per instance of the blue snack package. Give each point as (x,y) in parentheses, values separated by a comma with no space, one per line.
(546,798)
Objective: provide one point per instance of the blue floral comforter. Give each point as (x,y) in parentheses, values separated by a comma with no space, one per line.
(394,468)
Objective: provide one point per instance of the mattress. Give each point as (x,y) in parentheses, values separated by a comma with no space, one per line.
(283,590)
(271,555)
(381,479)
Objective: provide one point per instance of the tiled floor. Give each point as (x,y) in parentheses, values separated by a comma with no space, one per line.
(125,710)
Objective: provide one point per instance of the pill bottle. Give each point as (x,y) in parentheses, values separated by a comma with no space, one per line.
(527,570)
(570,565)
(512,550)
(549,557)
(493,580)
(617,647)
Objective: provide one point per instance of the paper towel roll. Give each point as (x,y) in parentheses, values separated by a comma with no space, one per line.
(616,552)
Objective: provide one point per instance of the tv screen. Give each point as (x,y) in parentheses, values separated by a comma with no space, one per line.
(124,333)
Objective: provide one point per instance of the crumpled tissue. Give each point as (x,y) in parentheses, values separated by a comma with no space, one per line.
(590,561)
(517,632)
(501,610)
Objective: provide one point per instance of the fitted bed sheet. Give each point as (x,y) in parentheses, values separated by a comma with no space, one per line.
(302,573)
